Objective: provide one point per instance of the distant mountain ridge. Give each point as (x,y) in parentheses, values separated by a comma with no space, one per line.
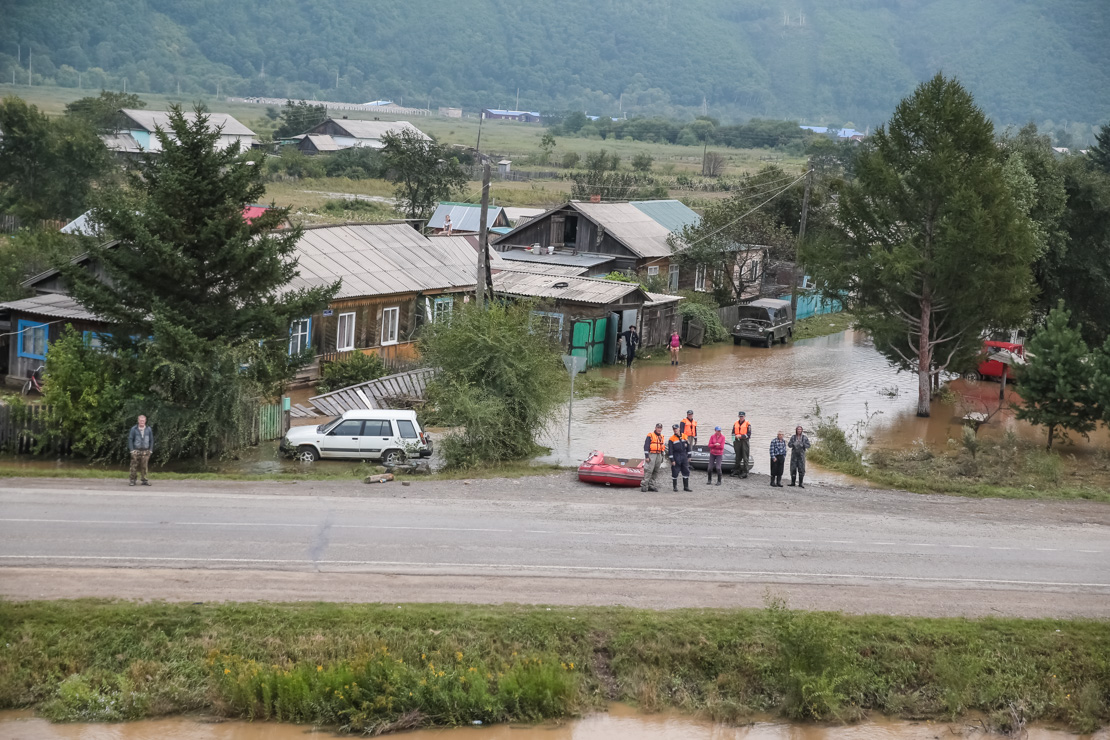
(847,61)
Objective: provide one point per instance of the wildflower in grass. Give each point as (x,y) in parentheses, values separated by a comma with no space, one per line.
(227,671)
(319,668)
(458,656)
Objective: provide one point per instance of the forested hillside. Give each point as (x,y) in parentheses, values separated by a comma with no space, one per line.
(845,61)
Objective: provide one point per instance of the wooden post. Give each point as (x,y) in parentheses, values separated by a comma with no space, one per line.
(483,236)
(801,236)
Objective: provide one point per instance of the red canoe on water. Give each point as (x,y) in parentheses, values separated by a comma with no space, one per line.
(612,471)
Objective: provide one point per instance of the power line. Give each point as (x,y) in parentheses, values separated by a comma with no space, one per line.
(746,214)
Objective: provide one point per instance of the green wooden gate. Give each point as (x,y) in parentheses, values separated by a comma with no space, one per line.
(587,340)
(271,421)
(597,344)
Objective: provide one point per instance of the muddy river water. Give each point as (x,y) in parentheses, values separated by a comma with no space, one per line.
(778,388)
(620,723)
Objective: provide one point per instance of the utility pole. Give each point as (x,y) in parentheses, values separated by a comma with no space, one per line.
(478,146)
(801,236)
(29,83)
(483,236)
(518,105)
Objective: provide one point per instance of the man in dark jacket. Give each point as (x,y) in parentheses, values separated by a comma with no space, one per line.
(798,445)
(678,452)
(140,442)
(631,342)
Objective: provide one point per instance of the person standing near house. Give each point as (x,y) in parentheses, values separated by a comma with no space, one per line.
(778,459)
(716,454)
(678,452)
(798,445)
(631,342)
(140,442)
(688,428)
(654,449)
(675,345)
(447,224)
(741,445)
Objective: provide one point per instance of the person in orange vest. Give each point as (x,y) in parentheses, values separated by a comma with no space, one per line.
(678,452)
(688,428)
(741,445)
(654,449)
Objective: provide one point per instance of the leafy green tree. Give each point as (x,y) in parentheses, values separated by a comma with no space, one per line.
(27,253)
(642,162)
(1056,383)
(298,117)
(932,247)
(1081,274)
(48,168)
(423,171)
(103,111)
(498,379)
(187,269)
(547,146)
(1100,152)
(570,160)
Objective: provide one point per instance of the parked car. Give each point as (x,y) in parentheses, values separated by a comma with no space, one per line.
(764,321)
(699,458)
(993,369)
(362,434)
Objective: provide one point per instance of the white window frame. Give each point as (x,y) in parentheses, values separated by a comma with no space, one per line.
(549,321)
(391,320)
(652,270)
(345,332)
(300,332)
(672,278)
(699,278)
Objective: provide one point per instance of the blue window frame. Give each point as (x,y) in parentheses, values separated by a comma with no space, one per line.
(33,338)
(300,336)
(95,339)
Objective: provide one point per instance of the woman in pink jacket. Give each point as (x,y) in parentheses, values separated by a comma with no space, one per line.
(716,454)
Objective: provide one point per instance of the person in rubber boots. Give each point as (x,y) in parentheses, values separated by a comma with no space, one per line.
(716,455)
(688,428)
(655,447)
(678,452)
(798,445)
(741,444)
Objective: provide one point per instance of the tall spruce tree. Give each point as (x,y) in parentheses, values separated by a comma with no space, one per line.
(1056,385)
(932,247)
(186,261)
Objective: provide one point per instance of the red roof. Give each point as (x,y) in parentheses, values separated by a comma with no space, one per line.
(250,213)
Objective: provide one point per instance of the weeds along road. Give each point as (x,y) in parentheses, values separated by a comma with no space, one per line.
(553,540)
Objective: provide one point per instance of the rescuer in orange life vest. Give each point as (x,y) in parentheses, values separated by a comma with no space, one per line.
(654,449)
(688,428)
(678,452)
(741,445)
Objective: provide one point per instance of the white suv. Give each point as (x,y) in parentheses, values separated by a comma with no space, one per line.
(379,434)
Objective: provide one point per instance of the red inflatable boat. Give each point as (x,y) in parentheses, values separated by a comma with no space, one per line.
(612,471)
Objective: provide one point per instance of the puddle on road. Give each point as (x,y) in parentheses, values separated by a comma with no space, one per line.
(778,388)
(620,723)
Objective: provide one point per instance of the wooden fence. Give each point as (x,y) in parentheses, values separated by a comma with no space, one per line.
(10,224)
(393,391)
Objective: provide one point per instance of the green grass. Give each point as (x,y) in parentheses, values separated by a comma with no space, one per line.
(823,325)
(587,385)
(381,667)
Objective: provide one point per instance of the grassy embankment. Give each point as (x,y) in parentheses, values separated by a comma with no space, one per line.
(373,668)
(823,325)
(970,466)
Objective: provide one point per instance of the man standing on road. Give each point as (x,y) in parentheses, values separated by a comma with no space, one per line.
(741,445)
(778,460)
(798,445)
(688,428)
(678,452)
(140,441)
(631,342)
(654,449)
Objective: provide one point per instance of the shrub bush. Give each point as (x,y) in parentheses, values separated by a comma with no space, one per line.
(351,370)
(715,331)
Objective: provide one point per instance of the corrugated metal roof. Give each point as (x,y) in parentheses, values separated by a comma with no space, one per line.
(51,305)
(574,260)
(671,214)
(464,216)
(121,143)
(542,269)
(381,259)
(323,142)
(459,244)
(565,287)
(657,299)
(151,119)
(372,129)
(632,227)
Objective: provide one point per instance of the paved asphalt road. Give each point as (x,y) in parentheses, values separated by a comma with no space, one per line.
(551,539)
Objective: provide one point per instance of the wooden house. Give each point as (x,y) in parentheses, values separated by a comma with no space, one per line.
(140,126)
(346,133)
(34,323)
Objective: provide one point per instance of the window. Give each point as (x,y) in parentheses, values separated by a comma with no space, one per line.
(390,319)
(407,429)
(439,308)
(300,336)
(348,428)
(672,281)
(653,270)
(550,324)
(94,339)
(699,278)
(345,336)
(32,339)
(378,428)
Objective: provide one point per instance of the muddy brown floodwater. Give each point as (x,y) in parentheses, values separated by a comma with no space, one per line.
(620,723)
(778,388)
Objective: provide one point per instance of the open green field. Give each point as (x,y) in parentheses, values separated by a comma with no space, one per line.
(373,668)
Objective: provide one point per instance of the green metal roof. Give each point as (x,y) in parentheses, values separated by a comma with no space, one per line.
(671,214)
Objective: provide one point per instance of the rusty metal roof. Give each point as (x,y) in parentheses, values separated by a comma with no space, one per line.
(382,259)
(595,291)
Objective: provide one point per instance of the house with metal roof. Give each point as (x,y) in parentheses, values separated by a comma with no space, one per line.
(141,125)
(316,144)
(629,237)
(346,133)
(524,116)
(466,218)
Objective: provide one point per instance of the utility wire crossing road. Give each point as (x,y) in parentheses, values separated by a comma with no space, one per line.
(552,527)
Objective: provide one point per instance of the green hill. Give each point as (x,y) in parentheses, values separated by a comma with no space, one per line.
(842,62)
